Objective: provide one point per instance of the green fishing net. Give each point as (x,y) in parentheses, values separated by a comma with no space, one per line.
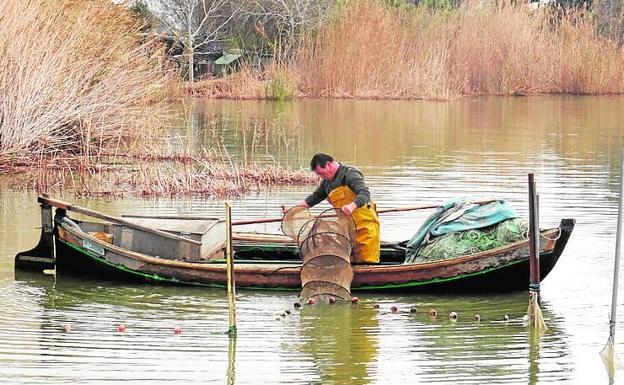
(473,241)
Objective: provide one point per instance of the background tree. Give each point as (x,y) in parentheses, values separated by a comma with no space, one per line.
(196,24)
(609,15)
(281,23)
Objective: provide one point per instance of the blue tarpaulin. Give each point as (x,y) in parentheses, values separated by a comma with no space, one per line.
(458,215)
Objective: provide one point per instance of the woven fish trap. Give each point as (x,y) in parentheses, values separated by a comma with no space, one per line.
(326,269)
(325,245)
(297,220)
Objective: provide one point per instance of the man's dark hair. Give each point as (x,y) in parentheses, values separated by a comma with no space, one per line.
(320,160)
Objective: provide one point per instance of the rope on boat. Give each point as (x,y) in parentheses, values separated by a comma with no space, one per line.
(282,268)
(552,239)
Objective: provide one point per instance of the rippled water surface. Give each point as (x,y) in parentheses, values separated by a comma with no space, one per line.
(411,153)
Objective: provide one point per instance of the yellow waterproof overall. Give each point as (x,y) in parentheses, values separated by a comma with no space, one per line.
(366,246)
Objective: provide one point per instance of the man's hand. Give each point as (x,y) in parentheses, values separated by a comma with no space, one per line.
(348,209)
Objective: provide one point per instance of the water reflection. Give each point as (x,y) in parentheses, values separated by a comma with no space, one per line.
(387,134)
(342,342)
(412,153)
(148,350)
(461,351)
(231,368)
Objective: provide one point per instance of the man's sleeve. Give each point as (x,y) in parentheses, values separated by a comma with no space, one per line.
(316,197)
(355,181)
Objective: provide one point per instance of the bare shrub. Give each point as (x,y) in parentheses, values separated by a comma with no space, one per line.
(75,77)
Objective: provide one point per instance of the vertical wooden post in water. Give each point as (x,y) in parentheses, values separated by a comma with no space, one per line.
(534,273)
(231,279)
(618,243)
(608,353)
(534,312)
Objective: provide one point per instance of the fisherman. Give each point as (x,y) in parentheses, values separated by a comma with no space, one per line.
(344,188)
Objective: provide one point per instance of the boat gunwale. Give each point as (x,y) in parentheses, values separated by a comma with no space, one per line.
(360,269)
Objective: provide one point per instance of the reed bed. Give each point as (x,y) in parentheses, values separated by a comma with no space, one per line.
(76,78)
(487,49)
(247,83)
(171,176)
(277,82)
(372,50)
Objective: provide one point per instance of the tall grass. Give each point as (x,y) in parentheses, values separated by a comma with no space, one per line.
(75,77)
(372,50)
(173,175)
(80,89)
(276,82)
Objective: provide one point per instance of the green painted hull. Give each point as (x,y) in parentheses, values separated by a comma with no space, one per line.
(506,273)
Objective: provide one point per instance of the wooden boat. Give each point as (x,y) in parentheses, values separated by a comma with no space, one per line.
(182,251)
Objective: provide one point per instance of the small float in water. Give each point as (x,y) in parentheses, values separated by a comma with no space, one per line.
(190,251)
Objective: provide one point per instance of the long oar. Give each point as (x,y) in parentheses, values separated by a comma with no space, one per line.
(608,352)
(382,211)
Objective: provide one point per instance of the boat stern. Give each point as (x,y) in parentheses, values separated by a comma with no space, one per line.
(42,256)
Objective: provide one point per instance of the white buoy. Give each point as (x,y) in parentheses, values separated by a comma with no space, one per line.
(525,320)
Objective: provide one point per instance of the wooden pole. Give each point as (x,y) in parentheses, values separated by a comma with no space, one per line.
(231,368)
(382,211)
(608,352)
(533,311)
(95,214)
(618,243)
(231,279)
(533,237)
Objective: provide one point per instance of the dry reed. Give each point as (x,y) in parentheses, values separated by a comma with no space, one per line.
(174,176)
(276,82)
(371,50)
(75,77)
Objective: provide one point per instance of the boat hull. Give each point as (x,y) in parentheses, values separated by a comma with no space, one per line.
(495,270)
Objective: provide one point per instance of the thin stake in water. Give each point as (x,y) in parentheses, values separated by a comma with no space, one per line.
(608,352)
(231,280)
(534,312)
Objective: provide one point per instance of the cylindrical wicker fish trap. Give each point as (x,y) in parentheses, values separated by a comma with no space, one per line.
(325,243)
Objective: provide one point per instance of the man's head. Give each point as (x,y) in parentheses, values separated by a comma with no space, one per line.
(324,166)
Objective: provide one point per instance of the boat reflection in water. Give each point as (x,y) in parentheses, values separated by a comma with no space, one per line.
(329,344)
(342,341)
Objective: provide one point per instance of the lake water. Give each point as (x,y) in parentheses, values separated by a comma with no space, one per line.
(412,153)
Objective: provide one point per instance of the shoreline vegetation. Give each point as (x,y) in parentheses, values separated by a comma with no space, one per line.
(371,50)
(84,85)
(82,109)
(117,176)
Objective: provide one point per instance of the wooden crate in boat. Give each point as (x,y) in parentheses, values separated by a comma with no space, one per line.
(210,232)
